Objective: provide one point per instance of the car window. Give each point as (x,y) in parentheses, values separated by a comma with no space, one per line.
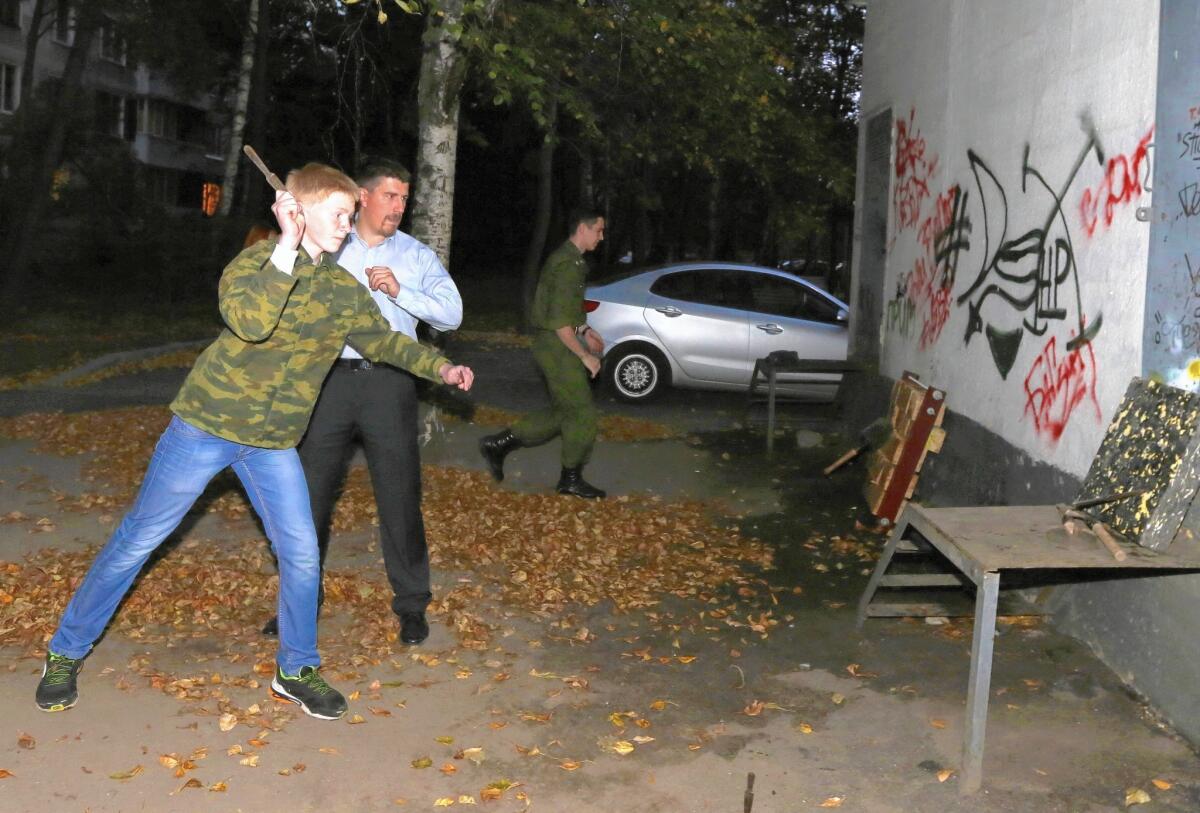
(707,286)
(779,296)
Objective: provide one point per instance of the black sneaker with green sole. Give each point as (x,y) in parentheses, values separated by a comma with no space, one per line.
(57,690)
(310,692)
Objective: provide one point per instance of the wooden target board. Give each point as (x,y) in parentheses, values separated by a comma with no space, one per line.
(1151,446)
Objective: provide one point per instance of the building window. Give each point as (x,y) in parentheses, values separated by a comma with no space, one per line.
(158,118)
(10,13)
(210,198)
(109,114)
(62,23)
(112,44)
(8,88)
(162,186)
(218,138)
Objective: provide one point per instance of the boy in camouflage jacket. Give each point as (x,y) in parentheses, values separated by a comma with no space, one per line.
(288,310)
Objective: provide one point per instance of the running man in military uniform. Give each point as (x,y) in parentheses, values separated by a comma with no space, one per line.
(568,354)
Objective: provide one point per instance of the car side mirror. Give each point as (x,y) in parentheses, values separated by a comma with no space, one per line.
(842,315)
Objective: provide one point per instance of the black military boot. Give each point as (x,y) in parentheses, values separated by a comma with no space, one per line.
(572,482)
(495,448)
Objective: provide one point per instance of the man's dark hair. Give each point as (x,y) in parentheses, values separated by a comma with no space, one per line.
(375,169)
(586,215)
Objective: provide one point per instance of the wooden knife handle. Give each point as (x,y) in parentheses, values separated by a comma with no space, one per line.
(271,177)
(1105,535)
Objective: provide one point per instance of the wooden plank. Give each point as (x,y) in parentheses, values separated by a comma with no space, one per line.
(922,580)
(898,490)
(937,437)
(1025,537)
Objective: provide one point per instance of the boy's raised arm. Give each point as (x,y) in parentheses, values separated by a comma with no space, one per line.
(255,286)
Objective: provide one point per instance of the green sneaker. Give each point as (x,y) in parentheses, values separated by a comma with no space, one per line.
(310,692)
(57,690)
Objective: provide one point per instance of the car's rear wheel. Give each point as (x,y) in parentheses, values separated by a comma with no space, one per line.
(638,373)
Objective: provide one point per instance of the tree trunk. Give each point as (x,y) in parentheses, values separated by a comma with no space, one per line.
(36,191)
(25,113)
(256,123)
(714,217)
(442,73)
(242,101)
(32,39)
(541,222)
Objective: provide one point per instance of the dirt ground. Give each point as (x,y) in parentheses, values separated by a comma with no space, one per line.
(668,707)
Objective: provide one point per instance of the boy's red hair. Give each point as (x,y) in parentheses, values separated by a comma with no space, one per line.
(314,182)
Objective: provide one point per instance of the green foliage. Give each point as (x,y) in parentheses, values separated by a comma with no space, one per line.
(749,88)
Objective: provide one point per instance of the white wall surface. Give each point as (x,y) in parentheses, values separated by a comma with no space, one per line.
(1003,80)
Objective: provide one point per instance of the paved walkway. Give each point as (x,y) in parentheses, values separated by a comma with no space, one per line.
(822,716)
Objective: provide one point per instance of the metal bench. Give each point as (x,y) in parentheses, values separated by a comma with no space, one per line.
(767,370)
(1142,483)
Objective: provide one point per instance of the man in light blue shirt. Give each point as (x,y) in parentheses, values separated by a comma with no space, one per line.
(378,403)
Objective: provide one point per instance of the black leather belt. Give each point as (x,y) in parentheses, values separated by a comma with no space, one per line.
(355,364)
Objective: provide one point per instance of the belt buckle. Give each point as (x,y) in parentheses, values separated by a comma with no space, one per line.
(364,365)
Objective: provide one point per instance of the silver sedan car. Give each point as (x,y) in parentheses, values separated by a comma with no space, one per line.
(702,325)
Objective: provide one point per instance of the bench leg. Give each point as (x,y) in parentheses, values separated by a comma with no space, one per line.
(885,559)
(979,684)
(771,410)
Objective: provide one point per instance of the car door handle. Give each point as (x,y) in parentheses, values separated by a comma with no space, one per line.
(669,310)
(770,327)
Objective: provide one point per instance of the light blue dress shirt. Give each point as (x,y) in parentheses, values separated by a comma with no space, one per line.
(427,293)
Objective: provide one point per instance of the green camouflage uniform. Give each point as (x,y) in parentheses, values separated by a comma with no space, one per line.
(258,382)
(557,303)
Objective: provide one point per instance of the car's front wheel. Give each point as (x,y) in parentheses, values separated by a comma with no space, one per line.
(637,373)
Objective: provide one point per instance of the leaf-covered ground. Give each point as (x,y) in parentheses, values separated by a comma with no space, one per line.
(537,553)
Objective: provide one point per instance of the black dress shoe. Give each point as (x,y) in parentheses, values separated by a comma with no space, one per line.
(413,627)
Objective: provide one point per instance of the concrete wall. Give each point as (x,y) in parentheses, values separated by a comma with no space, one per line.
(1015,267)
(1015,270)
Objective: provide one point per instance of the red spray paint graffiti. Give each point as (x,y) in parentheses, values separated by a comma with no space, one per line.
(933,273)
(1055,387)
(913,171)
(1122,182)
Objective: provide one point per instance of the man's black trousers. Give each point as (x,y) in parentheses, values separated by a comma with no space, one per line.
(378,405)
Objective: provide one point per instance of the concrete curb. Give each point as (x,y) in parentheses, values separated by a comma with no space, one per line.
(121,357)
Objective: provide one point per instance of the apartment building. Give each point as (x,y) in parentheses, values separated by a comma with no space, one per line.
(178,141)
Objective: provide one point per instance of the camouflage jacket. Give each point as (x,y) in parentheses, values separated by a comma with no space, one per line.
(258,382)
(558,300)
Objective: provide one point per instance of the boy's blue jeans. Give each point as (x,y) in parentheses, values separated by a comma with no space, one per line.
(184,461)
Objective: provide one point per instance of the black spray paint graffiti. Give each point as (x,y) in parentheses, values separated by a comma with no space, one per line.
(1189,200)
(1027,271)
(1191,142)
(1182,334)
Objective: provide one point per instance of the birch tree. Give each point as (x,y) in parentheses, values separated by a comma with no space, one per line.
(241,103)
(443,69)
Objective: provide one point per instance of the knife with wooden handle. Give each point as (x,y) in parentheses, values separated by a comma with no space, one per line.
(271,177)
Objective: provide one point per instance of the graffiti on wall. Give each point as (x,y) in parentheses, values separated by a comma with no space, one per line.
(1171,338)
(1056,386)
(922,298)
(1125,178)
(1031,275)
(1026,293)
(914,169)
(1181,331)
